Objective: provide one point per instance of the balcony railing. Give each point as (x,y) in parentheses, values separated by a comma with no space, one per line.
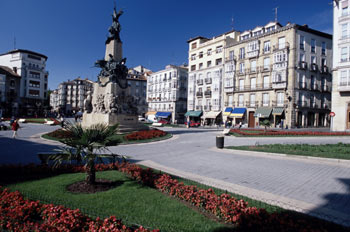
(302,65)
(207,108)
(325,88)
(252,104)
(279,103)
(257,87)
(199,107)
(199,94)
(324,69)
(207,93)
(314,86)
(208,80)
(278,46)
(200,82)
(302,85)
(303,104)
(325,105)
(313,105)
(313,67)
(254,53)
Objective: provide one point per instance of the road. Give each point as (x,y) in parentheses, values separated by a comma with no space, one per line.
(314,186)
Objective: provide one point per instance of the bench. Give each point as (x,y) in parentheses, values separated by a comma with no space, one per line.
(157,124)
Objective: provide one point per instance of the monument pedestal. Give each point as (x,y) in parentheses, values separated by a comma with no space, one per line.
(127,123)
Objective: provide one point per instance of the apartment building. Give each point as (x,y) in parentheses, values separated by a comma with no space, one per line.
(279,73)
(70,95)
(137,82)
(205,77)
(167,94)
(34,78)
(341,66)
(9,92)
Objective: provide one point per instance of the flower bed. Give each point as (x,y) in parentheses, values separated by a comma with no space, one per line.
(18,214)
(59,134)
(257,132)
(142,135)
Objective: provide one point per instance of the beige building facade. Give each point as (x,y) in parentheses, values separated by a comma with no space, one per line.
(280,74)
(206,66)
(341,70)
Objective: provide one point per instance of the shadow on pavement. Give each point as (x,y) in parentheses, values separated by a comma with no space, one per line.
(337,202)
(192,131)
(18,151)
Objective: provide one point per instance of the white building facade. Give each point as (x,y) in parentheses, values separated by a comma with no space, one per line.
(341,68)
(205,83)
(31,66)
(167,93)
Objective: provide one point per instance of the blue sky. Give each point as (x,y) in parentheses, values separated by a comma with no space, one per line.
(154,32)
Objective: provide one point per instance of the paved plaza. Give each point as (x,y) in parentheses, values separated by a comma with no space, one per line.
(315,186)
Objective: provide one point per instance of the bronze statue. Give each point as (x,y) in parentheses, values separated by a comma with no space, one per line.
(114,30)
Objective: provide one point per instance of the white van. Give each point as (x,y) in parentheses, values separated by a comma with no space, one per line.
(152,118)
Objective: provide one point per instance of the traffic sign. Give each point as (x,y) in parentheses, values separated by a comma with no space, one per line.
(332,114)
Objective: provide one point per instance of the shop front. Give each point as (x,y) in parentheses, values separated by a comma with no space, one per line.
(212,118)
(278,117)
(238,116)
(163,116)
(262,114)
(193,116)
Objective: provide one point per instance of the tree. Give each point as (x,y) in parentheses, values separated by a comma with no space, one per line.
(87,144)
(265,123)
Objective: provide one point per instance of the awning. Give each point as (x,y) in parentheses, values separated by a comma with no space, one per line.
(193,113)
(150,112)
(277,111)
(238,112)
(263,112)
(163,114)
(211,114)
(228,111)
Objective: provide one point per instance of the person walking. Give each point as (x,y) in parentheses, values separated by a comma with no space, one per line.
(15,127)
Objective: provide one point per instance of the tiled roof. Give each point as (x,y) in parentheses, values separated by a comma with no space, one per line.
(8,71)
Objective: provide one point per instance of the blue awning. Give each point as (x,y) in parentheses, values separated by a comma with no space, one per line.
(228,111)
(163,114)
(238,112)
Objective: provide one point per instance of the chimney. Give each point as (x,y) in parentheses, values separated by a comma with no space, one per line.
(305,25)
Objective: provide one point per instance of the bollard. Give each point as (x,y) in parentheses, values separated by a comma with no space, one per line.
(220,141)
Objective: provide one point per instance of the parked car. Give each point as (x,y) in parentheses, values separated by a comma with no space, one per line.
(194,124)
(142,119)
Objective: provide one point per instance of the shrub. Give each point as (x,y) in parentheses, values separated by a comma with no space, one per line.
(142,135)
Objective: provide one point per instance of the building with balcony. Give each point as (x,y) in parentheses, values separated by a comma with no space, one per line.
(279,73)
(205,78)
(137,82)
(341,66)
(69,98)
(31,66)
(167,93)
(9,92)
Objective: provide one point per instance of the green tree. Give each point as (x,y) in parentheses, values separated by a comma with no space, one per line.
(266,123)
(88,145)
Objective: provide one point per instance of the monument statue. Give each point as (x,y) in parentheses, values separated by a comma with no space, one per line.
(111,101)
(114,30)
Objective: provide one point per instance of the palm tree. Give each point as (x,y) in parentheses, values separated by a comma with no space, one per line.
(87,142)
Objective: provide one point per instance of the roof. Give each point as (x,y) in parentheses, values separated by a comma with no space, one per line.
(195,38)
(193,113)
(315,32)
(25,51)
(8,71)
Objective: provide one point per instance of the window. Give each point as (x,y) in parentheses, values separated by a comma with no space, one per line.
(200,66)
(209,52)
(266,82)
(193,45)
(266,99)
(343,78)
(209,63)
(35,75)
(230,100)
(241,53)
(218,61)
(201,55)
(253,66)
(193,57)
(323,62)
(241,84)
(231,55)
(240,100)
(253,83)
(218,49)
(344,54)
(323,48)
(344,9)
(252,46)
(280,98)
(313,45)
(267,46)
(208,74)
(193,67)
(34,93)
(302,57)
(344,30)
(280,57)
(313,60)
(302,43)
(252,99)
(267,63)
(281,43)
(12,83)
(241,68)
(35,84)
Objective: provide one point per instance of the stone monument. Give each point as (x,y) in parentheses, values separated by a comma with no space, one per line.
(111,101)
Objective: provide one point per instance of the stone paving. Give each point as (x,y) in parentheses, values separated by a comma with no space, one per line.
(318,187)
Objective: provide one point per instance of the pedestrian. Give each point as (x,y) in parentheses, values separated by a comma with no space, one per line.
(62,121)
(15,127)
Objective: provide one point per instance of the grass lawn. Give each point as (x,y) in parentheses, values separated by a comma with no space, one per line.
(130,201)
(335,151)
